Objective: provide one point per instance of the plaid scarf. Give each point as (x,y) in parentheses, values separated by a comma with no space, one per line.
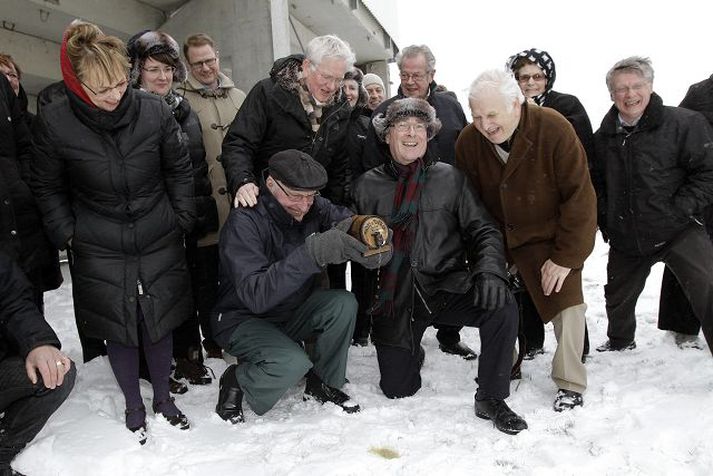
(404,218)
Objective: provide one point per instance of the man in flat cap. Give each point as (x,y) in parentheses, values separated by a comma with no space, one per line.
(269,299)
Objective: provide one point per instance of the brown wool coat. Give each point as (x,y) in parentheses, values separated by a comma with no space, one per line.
(543,199)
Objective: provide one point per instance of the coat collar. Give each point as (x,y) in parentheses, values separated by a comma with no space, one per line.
(652,117)
(193,85)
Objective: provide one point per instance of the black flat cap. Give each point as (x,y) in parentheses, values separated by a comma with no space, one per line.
(297,170)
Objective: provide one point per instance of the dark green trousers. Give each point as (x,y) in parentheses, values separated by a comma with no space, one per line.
(271,358)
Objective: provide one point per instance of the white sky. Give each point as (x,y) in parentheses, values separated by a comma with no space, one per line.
(584,39)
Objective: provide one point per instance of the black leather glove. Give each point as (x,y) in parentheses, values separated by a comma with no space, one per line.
(490,292)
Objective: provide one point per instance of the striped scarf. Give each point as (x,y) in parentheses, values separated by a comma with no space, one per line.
(404,219)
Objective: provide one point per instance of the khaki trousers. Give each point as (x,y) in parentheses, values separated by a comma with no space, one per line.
(568,371)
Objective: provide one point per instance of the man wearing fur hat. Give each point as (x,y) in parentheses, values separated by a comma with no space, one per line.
(272,256)
(448,264)
(298,107)
(417,68)
(216,100)
(531,171)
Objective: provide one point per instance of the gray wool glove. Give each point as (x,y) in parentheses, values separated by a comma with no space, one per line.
(334,247)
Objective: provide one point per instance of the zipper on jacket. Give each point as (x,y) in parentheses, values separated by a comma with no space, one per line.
(140,287)
(418,291)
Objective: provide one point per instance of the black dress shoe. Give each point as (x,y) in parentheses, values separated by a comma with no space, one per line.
(610,346)
(530,354)
(567,400)
(323,393)
(458,348)
(230,397)
(500,414)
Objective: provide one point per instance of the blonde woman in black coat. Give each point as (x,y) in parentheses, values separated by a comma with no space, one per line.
(112,177)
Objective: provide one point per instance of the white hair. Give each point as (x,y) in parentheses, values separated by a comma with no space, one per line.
(500,80)
(329,46)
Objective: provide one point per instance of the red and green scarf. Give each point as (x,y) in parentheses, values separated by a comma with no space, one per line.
(404,221)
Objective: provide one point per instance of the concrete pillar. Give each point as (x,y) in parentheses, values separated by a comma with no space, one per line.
(250,34)
(381,69)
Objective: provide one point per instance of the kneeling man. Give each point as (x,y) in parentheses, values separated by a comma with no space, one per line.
(269,299)
(448,264)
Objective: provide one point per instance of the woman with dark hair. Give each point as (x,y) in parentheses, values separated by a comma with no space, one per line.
(113,179)
(535,73)
(155,66)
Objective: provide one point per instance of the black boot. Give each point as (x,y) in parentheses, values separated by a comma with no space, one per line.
(460,349)
(192,368)
(502,417)
(136,422)
(323,393)
(230,397)
(174,416)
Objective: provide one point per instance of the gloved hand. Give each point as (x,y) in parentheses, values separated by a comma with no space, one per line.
(334,247)
(490,292)
(345,224)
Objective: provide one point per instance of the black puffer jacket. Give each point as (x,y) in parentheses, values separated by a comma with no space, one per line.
(272,119)
(265,268)
(456,239)
(22,327)
(443,146)
(120,185)
(652,181)
(700,98)
(570,107)
(206,209)
(23,236)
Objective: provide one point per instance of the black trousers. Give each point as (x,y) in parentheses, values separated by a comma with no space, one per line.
(689,257)
(675,312)
(26,407)
(203,266)
(400,368)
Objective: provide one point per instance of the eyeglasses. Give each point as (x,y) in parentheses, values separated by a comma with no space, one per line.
(11,76)
(524,78)
(156,71)
(404,127)
(414,76)
(620,91)
(104,92)
(336,82)
(295,197)
(210,62)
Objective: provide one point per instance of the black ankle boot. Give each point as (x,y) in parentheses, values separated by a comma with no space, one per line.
(230,397)
(323,393)
(136,422)
(171,413)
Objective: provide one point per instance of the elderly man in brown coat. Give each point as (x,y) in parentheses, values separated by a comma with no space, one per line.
(531,171)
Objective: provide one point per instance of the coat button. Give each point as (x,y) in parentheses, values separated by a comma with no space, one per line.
(13,232)
(222,190)
(509,227)
(132,299)
(131,225)
(414,263)
(6,201)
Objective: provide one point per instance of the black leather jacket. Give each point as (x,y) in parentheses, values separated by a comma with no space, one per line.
(456,238)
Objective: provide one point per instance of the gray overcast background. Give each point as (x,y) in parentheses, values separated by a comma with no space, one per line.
(584,38)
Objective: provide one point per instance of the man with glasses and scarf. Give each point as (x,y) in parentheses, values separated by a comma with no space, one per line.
(270,299)
(296,107)
(216,100)
(417,67)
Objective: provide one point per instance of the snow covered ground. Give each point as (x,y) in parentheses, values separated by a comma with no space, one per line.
(647,411)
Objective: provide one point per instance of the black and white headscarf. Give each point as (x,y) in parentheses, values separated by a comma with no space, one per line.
(543,60)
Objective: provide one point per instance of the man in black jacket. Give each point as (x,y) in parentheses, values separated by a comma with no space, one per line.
(295,108)
(35,377)
(653,173)
(269,299)
(448,263)
(417,67)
